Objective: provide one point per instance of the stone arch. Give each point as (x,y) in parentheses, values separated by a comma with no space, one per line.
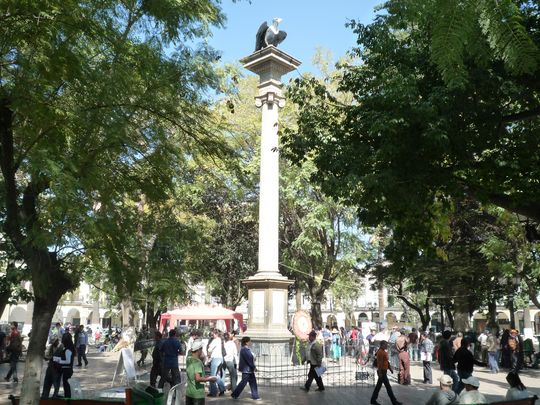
(405,318)
(17,314)
(58,316)
(331,320)
(73,316)
(537,323)
(362,317)
(503,320)
(479,322)
(391,319)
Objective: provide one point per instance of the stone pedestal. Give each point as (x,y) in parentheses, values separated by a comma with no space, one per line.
(268,289)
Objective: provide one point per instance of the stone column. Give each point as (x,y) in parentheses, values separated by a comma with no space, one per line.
(268,289)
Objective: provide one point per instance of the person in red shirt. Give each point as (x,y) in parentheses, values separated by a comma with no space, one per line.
(383,365)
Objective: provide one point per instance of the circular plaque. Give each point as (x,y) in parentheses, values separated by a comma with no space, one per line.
(302,325)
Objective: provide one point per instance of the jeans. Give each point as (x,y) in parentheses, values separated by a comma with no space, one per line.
(233,374)
(247,378)
(312,375)
(414,352)
(383,379)
(214,367)
(455,378)
(492,360)
(170,375)
(462,375)
(81,355)
(13,360)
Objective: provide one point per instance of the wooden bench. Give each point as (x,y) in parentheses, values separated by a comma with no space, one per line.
(528,401)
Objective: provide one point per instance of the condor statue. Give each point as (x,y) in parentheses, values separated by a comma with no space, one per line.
(269,35)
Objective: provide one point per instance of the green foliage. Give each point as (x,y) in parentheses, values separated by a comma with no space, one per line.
(418,131)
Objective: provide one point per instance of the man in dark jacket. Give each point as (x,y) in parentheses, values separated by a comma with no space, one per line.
(315,361)
(246,365)
(465,362)
(446,359)
(170,350)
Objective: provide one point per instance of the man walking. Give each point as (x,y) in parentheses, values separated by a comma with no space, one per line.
(14,350)
(426,355)
(170,349)
(383,365)
(394,355)
(82,342)
(157,365)
(402,343)
(493,345)
(465,363)
(247,368)
(446,359)
(414,353)
(482,340)
(315,356)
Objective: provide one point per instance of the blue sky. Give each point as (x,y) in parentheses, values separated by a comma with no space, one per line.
(308,23)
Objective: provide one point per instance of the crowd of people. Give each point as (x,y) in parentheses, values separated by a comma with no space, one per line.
(218,353)
(210,356)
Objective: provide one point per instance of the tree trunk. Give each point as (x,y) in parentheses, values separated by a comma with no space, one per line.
(298,297)
(316,314)
(381,304)
(127,313)
(492,317)
(460,320)
(49,283)
(4,299)
(512,313)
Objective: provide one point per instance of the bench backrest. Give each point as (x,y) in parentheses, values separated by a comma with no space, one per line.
(528,401)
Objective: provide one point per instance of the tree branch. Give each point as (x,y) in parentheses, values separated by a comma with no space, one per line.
(521,116)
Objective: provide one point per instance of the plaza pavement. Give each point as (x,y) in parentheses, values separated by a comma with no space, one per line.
(99,374)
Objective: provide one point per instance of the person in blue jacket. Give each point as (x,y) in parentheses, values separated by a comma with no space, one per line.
(247,368)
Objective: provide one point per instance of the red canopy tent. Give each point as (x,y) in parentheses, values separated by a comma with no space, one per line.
(200,313)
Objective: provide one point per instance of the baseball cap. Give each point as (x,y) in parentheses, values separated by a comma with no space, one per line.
(445,379)
(472,380)
(197,345)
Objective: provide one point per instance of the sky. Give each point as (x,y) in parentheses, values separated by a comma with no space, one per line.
(309,24)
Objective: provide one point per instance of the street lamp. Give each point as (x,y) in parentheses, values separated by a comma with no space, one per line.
(371,308)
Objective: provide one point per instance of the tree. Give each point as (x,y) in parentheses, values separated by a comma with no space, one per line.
(321,239)
(418,132)
(98,100)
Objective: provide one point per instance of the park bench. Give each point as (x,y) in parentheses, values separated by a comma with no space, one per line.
(528,401)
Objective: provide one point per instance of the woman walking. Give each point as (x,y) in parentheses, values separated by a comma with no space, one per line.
(231,355)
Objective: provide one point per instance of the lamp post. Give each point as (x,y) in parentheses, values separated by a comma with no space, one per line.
(371,308)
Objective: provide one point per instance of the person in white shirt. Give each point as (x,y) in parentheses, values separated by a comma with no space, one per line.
(471,395)
(216,360)
(231,358)
(517,390)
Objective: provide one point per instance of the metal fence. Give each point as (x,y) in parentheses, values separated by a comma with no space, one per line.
(346,365)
